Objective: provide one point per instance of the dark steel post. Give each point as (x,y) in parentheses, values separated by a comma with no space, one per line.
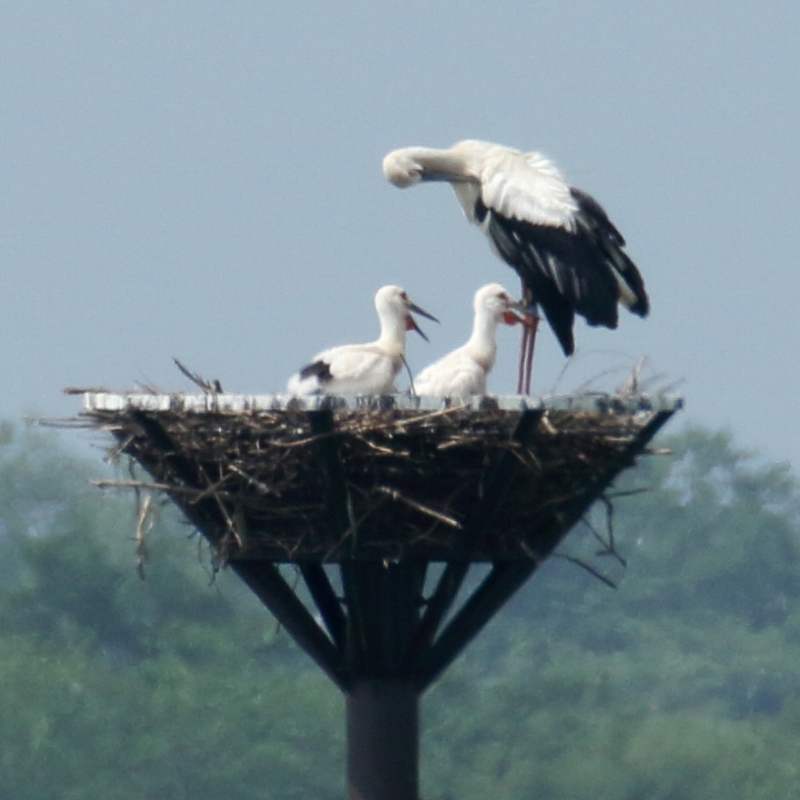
(384,601)
(382,740)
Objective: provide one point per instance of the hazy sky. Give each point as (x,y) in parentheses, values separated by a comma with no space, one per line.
(202,180)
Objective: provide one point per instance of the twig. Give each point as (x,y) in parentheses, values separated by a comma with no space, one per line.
(588,567)
(253,482)
(397,495)
(158,487)
(208,388)
(609,549)
(410,376)
(140,537)
(84,390)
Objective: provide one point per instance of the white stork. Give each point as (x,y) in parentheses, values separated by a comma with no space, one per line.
(463,371)
(559,239)
(364,368)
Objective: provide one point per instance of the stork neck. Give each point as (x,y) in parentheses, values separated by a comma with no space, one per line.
(482,343)
(393,334)
(440,165)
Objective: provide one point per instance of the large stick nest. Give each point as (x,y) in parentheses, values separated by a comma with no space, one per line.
(380,478)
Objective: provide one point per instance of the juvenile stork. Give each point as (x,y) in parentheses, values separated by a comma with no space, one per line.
(559,239)
(463,372)
(364,368)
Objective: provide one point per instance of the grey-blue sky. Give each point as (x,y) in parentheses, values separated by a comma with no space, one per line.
(203,180)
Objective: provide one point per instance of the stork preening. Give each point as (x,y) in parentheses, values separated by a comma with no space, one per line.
(569,255)
(364,368)
(463,372)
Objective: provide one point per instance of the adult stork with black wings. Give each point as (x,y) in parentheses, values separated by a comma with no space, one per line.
(559,239)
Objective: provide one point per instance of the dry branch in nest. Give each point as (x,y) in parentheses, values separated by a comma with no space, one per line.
(379,478)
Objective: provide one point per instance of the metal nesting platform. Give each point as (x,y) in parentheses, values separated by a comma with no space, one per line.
(382,478)
(375,489)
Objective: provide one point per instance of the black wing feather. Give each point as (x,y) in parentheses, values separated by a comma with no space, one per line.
(570,272)
(321,370)
(604,234)
(541,275)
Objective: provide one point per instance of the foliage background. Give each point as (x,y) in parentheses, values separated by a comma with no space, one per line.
(681,683)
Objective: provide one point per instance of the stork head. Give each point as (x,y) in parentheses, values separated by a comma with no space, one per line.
(494,301)
(393,301)
(401,168)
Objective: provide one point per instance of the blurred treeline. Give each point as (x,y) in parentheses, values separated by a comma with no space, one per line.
(681,683)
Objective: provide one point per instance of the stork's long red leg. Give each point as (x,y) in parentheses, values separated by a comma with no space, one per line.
(525,346)
(530,335)
(523,349)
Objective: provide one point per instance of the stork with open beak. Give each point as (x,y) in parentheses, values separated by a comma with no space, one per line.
(369,368)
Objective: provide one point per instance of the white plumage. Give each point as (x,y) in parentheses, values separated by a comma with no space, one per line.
(559,239)
(364,368)
(463,372)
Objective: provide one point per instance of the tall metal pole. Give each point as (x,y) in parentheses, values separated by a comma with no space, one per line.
(382,701)
(382,740)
